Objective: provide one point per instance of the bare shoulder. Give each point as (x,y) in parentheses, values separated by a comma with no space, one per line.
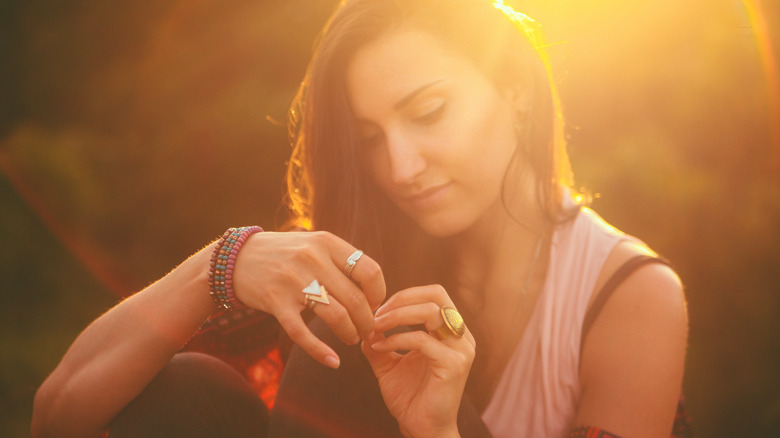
(633,358)
(656,277)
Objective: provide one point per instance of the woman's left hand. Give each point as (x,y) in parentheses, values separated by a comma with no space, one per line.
(422,388)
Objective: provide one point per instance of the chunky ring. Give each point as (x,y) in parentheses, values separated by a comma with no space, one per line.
(308,302)
(351,262)
(453,324)
(315,293)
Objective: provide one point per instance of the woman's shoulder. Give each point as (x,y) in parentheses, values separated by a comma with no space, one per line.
(578,224)
(633,357)
(589,240)
(649,275)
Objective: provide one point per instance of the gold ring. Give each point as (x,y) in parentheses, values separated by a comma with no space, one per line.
(351,262)
(453,324)
(308,302)
(314,293)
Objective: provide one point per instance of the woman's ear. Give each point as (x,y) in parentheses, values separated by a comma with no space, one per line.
(519,98)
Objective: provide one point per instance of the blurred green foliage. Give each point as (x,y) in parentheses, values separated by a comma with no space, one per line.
(133,133)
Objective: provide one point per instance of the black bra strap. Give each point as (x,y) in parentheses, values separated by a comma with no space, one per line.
(612,283)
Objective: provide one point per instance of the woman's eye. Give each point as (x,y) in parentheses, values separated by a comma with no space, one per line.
(431,116)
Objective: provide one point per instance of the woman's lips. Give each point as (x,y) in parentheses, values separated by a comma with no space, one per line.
(427,198)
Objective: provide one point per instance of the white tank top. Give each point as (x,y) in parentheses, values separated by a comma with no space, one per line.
(539,391)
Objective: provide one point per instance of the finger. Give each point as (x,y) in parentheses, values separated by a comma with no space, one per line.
(435,351)
(299,333)
(416,295)
(338,319)
(426,313)
(361,296)
(368,274)
(446,361)
(351,317)
(379,361)
(409,310)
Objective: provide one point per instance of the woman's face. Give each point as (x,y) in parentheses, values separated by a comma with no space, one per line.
(436,133)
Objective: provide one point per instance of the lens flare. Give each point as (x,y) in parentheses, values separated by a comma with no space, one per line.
(88,257)
(758,23)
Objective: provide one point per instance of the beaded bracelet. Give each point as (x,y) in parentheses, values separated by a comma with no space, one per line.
(223,260)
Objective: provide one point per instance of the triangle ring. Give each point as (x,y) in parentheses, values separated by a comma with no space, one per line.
(315,293)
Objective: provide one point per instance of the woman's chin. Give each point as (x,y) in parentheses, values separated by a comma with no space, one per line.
(441,227)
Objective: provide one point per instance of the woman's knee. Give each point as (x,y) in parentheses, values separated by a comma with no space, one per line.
(194,395)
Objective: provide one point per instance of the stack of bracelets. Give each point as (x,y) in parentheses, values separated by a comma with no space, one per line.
(223,260)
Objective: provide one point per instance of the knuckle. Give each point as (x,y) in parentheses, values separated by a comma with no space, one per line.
(323,237)
(469,353)
(431,307)
(338,321)
(338,314)
(461,361)
(332,315)
(306,257)
(419,336)
(353,299)
(286,273)
(372,271)
(463,367)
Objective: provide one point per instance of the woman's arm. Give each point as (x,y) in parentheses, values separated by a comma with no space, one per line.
(114,358)
(633,359)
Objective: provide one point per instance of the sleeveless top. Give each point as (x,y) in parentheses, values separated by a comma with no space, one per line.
(539,390)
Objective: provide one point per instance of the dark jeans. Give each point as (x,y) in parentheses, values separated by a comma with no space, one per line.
(199,396)
(195,395)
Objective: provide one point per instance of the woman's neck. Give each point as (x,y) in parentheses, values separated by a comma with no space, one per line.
(491,256)
(499,271)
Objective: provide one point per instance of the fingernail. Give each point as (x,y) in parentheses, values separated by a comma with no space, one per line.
(378,344)
(332,361)
(379,311)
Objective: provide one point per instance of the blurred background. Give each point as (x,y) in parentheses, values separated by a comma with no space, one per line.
(133,133)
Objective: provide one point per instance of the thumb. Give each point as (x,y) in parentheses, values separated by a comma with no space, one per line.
(379,361)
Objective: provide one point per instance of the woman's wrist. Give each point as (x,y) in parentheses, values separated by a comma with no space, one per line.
(190,281)
(222,264)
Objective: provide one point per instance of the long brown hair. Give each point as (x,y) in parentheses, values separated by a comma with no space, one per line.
(329,189)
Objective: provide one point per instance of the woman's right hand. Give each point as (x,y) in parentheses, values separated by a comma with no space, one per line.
(272,269)
(423,387)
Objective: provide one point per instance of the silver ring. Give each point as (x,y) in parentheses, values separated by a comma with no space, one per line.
(351,262)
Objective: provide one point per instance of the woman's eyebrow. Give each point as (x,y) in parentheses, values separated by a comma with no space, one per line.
(406,99)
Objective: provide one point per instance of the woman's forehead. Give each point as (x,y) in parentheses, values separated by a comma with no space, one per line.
(389,68)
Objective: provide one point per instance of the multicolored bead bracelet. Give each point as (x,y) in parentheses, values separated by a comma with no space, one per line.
(223,261)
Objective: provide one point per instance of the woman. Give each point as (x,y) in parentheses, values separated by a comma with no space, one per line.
(427,134)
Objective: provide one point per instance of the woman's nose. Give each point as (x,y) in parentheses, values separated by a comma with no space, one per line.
(406,159)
